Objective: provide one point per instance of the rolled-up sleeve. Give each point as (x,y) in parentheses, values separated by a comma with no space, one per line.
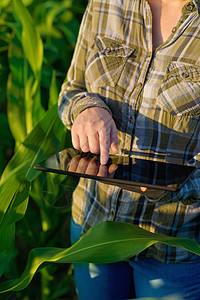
(74,97)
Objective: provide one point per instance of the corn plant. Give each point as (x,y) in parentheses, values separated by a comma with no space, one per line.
(35,52)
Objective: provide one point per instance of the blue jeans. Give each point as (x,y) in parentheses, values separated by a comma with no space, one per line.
(135,279)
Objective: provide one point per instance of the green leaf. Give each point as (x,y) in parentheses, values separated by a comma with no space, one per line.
(4,3)
(7,237)
(31,40)
(16,91)
(13,203)
(104,243)
(43,141)
(53,93)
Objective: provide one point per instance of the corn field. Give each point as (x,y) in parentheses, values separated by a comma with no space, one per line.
(37,39)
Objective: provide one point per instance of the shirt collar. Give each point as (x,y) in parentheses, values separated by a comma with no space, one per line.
(191,6)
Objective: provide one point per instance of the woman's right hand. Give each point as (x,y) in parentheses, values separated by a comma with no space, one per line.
(94,131)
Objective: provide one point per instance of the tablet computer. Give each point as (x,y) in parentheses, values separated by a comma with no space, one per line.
(129,173)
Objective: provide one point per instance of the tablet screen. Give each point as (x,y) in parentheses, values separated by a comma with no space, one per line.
(123,171)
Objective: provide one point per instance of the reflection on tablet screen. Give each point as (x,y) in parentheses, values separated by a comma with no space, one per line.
(120,170)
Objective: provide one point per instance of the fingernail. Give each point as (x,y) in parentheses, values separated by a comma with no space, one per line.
(143,189)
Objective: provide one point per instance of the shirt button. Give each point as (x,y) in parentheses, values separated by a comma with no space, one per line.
(140,84)
(190,6)
(174,29)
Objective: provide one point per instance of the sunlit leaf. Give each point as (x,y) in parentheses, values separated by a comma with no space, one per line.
(104,243)
(38,110)
(53,93)
(31,40)
(43,141)
(4,3)
(16,91)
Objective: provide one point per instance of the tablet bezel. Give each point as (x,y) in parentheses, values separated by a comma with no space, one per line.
(124,184)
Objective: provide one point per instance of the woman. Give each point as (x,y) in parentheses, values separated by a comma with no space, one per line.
(134,88)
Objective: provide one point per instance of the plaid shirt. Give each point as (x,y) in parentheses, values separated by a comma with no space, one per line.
(154,98)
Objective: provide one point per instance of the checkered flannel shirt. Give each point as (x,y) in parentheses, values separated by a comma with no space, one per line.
(154,99)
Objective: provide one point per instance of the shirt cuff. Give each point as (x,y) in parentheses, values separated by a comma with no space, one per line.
(86,102)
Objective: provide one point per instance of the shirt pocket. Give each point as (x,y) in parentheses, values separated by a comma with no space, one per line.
(179,92)
(106,61)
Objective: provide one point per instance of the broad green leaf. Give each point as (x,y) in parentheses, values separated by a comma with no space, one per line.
(28,103)
(43,141)
(53,93)
(4,70)
(16,91)
(23,90)
(7,193)
(104,243)
(13,203)
(37,109)
(7,237)
(31,40)
(50,143)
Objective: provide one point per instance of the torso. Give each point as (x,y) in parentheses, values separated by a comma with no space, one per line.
(165,17)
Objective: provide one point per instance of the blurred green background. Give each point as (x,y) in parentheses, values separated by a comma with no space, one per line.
(37,39)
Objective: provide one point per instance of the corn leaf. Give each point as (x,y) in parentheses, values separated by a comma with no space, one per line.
(104,243)
(43,141)
(13,203)
(53,93)
(16,91)
(31,40)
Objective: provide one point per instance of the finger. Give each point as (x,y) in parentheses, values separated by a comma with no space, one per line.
(114,139)
(103,171)
(93,140)
(84,144)
(82,166)
(143,189)
(75,141)
(93,166)
(104,143)
(111,170)
(74,163)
